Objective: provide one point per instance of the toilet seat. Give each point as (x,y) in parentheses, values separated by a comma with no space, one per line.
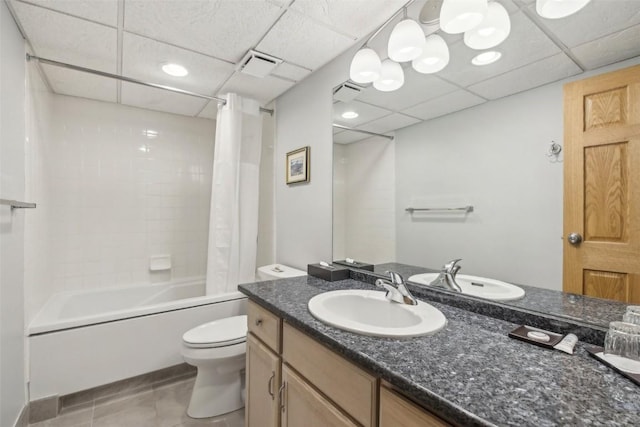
(219,333)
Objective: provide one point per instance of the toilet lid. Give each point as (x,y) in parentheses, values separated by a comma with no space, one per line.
(219,333)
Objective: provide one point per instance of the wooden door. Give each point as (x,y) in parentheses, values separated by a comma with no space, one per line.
(304,406)
(602,186)
(263,382)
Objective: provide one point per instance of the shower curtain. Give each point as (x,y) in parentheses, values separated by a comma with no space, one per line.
(233,222)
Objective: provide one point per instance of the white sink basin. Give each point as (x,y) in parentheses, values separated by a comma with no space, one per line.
(370,313)
(477,286)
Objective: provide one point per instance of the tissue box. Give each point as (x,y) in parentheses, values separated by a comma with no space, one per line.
(355,264)
(330,274)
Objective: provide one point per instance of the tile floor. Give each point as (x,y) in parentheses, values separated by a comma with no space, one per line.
(158,406)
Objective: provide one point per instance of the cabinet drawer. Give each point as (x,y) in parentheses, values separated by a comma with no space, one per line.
(265,325)
(351,388)
(396,410)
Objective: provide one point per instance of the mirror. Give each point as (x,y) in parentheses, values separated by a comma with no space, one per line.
(485,137)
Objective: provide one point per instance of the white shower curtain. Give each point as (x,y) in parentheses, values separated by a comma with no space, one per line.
(233,222)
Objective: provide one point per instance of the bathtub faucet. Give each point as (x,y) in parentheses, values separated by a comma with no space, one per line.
(447,277)
(396,289)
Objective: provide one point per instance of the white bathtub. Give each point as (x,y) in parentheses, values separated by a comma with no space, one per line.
(80,340)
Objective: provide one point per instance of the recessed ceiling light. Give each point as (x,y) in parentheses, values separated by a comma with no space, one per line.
(175,70)
(349,115)
(486,58)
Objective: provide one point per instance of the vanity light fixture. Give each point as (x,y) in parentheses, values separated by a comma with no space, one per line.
(365,66)
(349,115)
(486,58)
(391,77)
(175,70)
(556,9)
(406,41)
(492,31)
(458,16)
(435,56)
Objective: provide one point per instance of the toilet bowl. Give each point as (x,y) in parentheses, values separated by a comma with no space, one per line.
(218,350)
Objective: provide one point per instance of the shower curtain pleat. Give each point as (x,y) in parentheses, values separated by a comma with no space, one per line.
(233,222)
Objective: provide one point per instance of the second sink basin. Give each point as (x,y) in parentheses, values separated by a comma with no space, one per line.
(477,286)
(370,313)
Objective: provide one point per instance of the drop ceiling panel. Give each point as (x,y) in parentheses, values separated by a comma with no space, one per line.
(542,72)
(607,50)
(355,18)
(160,100)
(64,38)
(290,71)
(389,123)
(221,28)
(444,105)
(103,11)
(143,59)
(347,137)
(263,90)
(75,83)
(298,39)
(598,18)
(417,88)
(526,44)
(210,111)
(366,113)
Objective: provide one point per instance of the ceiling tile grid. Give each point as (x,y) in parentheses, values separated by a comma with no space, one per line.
(347,137)
(446,104)
(160,100)
(530,76)
(102,11)
(389,123)
(300,40)
(143,59)
(83,85)
(263,90)
(220,28)
(366,113)
(609,49)
(68,39)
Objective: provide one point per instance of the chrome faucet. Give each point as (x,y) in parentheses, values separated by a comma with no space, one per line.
(447,277)
(396,289)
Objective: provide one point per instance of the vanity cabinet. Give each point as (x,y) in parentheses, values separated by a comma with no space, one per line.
(293,380)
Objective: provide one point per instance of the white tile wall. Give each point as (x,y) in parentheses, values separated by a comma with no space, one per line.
(123,184)
(364,201)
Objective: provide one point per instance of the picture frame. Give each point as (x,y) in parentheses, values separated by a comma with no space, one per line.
(297,164)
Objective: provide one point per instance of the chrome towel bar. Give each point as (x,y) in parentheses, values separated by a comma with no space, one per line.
(17,205)
(465,209)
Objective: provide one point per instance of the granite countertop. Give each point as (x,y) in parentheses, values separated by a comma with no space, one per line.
(470,373)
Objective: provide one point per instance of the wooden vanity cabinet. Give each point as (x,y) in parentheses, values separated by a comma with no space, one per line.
(293,381)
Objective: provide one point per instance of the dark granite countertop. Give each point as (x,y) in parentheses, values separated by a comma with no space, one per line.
(470,373)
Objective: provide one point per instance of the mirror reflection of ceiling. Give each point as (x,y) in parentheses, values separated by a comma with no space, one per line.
(538,51)
(135,38)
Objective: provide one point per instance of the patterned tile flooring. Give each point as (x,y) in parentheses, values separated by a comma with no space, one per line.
(159,406)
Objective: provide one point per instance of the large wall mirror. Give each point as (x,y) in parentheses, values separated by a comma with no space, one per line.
(472,136)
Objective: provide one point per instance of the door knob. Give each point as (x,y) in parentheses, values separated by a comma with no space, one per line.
(574,238)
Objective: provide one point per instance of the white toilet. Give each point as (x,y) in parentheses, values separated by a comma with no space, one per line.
(218,350)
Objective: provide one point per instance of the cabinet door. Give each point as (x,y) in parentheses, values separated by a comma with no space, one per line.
(303,406)
(263,382)
(396,411)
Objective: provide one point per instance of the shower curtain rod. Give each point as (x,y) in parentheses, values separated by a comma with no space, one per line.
(363,131)
(131,80)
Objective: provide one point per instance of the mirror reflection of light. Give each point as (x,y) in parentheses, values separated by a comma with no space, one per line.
(150,133)
(144,148)
(349,115)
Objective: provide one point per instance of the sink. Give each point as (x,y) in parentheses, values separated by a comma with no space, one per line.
(477,286)
(370,313)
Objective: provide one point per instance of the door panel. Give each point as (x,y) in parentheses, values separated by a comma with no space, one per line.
(602,186)
(263,381)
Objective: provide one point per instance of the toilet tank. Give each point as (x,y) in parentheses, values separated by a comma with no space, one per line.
(278,271)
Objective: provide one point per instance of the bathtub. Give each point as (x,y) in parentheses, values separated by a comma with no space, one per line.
(84,339)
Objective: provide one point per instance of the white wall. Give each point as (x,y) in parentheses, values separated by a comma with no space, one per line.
(364,201)
(12,186)
(492,157)
(121,184)
(304,211)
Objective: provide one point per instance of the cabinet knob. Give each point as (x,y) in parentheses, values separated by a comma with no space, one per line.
(258,322)
(281,396)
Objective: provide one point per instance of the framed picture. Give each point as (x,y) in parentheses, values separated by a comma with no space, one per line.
(298,165)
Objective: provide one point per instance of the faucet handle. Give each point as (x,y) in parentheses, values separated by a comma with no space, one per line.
(396,278)
(451,266)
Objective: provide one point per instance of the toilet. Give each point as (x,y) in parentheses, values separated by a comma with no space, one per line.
(218,350)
